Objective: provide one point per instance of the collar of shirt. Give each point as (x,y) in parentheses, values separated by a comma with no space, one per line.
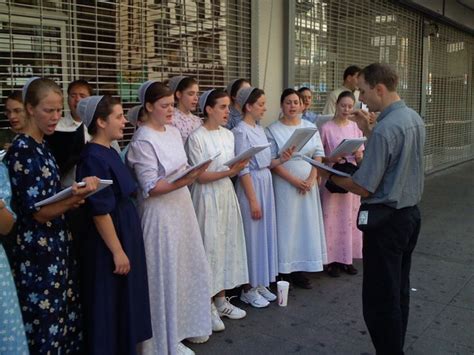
(392,107)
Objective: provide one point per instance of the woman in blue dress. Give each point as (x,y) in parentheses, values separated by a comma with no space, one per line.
(254,190)
(12,333)
(114,277)
(44,268)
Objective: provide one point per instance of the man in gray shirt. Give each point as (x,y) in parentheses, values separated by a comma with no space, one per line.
(390,181)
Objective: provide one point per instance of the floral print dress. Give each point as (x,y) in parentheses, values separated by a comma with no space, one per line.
(43,264)
(12,333)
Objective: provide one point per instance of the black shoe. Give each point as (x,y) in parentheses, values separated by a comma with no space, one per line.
(333,270)
(350,269)
(298,279)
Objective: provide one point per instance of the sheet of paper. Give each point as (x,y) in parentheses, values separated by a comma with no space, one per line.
(68,192)
(347,147)
(247,154)
(299,138)
(324,167)
(176,176)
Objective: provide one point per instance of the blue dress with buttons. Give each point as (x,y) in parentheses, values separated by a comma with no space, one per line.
(42,261)
(12,333)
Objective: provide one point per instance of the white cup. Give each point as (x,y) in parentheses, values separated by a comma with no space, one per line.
(282,290)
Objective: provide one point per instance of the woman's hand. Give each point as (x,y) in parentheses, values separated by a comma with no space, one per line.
(301,185)
(287,154)
(122,264)
(92,183)
(255,210)
(237,167)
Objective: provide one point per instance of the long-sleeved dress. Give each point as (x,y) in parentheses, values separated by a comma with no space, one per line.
(300,229)
(217,210)
(261,234)
(178,271)
(344,240)
(116,307)
(12,332)
(45,270)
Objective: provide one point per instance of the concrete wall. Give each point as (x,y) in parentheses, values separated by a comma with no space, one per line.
(268,45)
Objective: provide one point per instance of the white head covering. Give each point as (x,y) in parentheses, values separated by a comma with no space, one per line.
(243,96)
(133,114)
(203,99)
(86,108)
(229,86)
(24,90)
(174,82)
(142,90)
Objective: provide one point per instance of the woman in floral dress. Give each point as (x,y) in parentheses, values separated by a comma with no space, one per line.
(42,261)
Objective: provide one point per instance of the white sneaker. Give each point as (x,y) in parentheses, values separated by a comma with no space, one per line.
(198,340)
(253,298)
(217,323)
(265,292)
(183,350)
(228,310)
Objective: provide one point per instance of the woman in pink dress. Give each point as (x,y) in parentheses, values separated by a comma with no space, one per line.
(343,239)
(185,90)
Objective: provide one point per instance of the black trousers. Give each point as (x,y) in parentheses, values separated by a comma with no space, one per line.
(387,254)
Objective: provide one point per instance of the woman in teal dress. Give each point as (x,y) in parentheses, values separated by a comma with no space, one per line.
(12,333)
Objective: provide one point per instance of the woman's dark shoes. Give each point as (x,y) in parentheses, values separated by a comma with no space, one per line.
(333,270)
(298,279)
(350,269)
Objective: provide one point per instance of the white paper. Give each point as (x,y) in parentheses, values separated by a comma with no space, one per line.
(347,147)
(67,192)
(176,176)
(299,138)
(2,154)
(325,167)
(247,154)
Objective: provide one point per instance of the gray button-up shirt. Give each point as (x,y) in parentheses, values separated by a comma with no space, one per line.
(392,168)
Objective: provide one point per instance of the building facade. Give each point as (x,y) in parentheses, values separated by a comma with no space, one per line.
(116,45)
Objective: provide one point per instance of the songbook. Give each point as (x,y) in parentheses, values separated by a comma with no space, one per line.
(174,176)
(247,154)
(347,147)
(324,167)
(299,138)
(67,192)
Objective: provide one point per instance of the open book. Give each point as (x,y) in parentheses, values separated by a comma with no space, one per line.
(324,167)
(67,192)
(2,154)
(247,154)
(347,147)
(298,139)
(178,175)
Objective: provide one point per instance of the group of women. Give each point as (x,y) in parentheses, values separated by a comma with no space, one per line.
(156,255)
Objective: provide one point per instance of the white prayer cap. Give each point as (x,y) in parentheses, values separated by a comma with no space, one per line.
(203,100)
(86,108)
(133,114)
(142,90)
(174,82)
(24,90)
(243,96)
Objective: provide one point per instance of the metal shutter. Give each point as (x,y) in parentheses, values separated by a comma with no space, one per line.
(118,45)
(331,35)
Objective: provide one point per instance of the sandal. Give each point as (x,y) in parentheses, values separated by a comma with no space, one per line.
(333,270)
(350,269)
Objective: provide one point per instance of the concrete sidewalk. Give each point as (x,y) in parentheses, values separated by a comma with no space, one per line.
(328,318)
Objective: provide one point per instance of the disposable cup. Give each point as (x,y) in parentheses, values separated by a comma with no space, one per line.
(282,288)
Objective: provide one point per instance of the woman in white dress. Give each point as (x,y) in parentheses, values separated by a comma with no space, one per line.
(178,271)
(216,205)
(185,90)
(300,230)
